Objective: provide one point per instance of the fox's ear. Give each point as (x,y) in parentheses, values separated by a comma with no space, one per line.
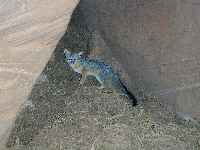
(80,53)
(66,51)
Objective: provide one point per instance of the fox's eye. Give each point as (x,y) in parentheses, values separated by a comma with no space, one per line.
(72,61)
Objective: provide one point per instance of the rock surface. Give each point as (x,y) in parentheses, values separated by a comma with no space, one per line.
(157,44)
(29,31)
(147,42)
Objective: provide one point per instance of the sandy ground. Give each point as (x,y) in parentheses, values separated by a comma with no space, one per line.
(61,114)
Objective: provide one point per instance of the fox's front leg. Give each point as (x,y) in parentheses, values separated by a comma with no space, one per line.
(84,76)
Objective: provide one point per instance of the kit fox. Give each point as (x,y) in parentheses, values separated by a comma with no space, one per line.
(103,73)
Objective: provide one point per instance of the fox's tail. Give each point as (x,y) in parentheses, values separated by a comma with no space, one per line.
(129,94)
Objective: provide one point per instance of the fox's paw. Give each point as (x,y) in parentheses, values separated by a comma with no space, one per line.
(107,91)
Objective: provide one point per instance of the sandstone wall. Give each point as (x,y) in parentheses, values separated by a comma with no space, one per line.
(29,32)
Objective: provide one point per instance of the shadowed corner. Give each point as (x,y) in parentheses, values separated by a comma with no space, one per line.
(48,95)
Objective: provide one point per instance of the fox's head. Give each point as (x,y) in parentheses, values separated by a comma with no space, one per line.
(71,57)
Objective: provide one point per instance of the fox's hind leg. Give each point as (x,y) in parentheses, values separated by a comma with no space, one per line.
(100,87)
(103,86)
(101,82)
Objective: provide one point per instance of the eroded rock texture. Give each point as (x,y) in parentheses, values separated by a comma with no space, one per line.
(157,43)
(29,31)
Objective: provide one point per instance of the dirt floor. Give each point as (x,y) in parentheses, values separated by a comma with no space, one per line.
(62,115)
